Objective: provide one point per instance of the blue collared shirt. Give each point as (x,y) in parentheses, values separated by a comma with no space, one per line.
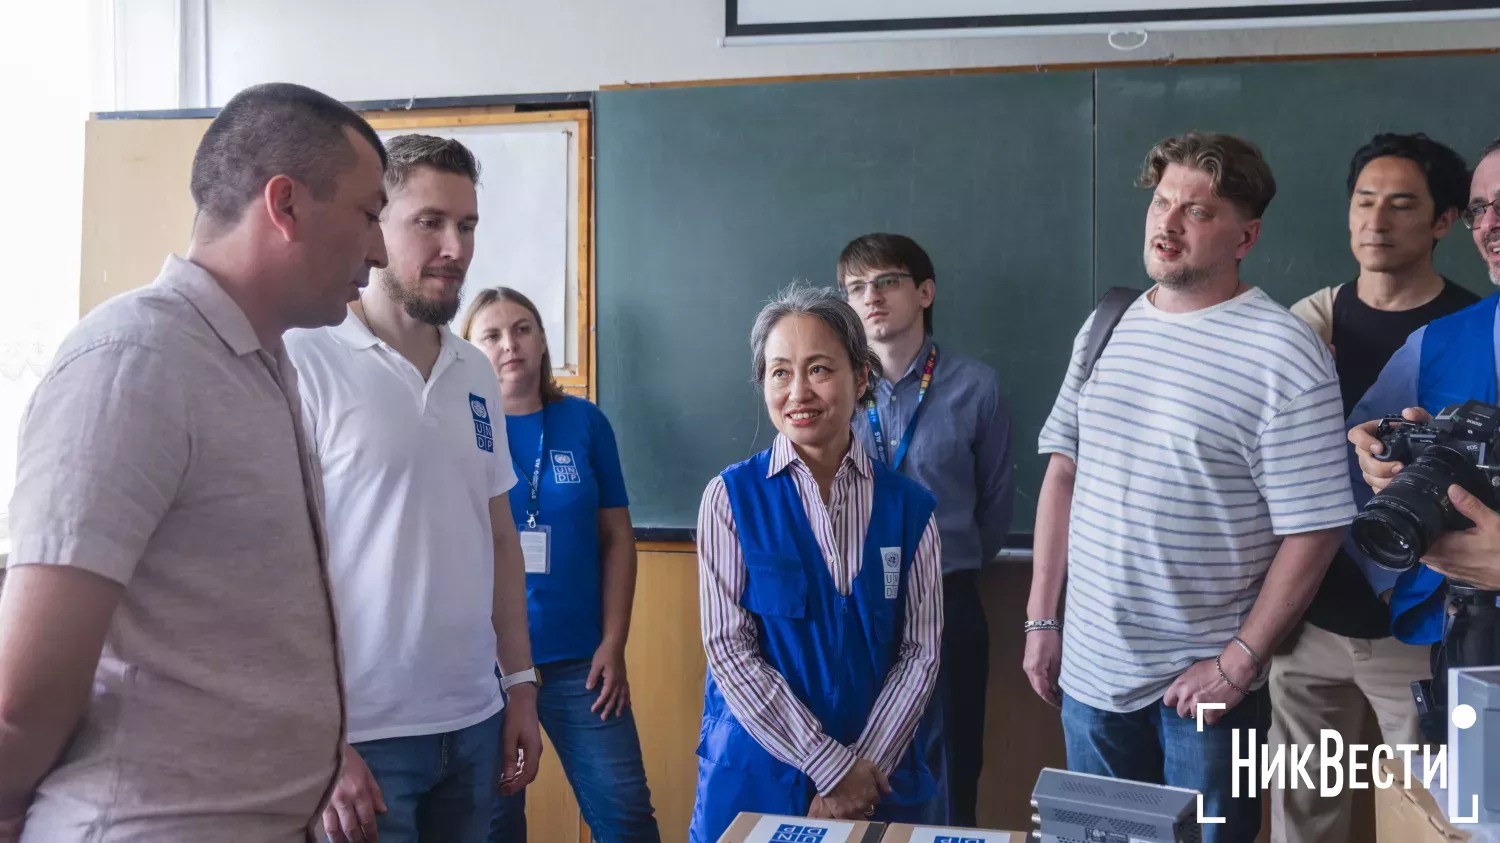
(1394,391)
(961,451)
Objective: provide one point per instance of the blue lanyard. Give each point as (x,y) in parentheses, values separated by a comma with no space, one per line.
(533,506)
(878,433)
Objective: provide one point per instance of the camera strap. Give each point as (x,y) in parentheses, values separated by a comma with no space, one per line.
(1107,315)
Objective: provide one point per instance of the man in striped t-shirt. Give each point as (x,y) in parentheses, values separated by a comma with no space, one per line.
(1196,492)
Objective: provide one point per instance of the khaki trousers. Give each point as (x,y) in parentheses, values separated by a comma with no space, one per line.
(1324,683)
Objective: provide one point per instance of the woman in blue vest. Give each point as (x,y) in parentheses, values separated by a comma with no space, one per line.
(821,596)
(571,510)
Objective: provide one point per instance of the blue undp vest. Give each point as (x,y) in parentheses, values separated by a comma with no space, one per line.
(1458,364)
(834,651)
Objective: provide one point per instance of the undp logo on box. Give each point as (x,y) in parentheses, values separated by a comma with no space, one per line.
(787,833)
(950,839)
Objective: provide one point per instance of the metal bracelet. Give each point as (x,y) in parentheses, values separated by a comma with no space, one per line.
(1049,623)
(1260,667)
(1227,681)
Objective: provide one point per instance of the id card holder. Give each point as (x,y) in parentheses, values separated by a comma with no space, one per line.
(536,548)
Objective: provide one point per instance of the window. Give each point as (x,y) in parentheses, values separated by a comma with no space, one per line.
(47,65)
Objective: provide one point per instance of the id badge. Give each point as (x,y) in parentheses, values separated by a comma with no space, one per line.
(536,547)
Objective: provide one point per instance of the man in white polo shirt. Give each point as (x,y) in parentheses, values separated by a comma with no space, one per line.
(426,564)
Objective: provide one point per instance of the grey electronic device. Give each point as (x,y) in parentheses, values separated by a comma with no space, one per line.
(1082,808)
(1474,752)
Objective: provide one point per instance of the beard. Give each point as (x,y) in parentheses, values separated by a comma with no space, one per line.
(417,306)
(1177,278)
(1490,261)
(1180,278)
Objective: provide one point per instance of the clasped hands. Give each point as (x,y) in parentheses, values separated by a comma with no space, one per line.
(855,796)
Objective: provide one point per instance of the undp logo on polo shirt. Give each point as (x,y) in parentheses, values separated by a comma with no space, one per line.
(484,435)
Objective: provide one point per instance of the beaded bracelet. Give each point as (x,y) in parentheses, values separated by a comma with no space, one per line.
(1227,681)
(1032,626)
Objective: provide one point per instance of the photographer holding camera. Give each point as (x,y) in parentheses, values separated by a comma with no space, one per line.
(1449,598)
(1471,556)
(1449,361)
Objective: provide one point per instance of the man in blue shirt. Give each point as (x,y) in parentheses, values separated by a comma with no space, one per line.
(1449,361)
(939,418)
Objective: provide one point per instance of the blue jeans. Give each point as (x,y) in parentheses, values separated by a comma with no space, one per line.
(1156,746)
(437,788)
(602,760)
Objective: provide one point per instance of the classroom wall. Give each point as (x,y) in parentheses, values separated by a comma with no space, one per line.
(383,49)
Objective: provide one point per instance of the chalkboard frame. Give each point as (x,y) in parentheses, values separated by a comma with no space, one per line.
(1286,14)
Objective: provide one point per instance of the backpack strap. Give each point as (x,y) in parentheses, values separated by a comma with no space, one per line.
(1112,307)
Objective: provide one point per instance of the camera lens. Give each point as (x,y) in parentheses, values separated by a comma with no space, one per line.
(1398,525)
(1390,535)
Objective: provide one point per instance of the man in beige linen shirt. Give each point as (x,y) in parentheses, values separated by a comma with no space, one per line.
(169,662)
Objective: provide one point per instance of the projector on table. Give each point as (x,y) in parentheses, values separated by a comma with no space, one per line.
(1080,808)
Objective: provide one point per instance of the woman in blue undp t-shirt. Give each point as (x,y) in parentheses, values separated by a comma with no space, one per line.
(571,510)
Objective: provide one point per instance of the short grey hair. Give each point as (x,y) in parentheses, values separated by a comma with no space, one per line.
(825,304)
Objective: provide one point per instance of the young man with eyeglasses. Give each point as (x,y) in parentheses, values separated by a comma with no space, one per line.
(940,418)
(1405,194)
(1448,361)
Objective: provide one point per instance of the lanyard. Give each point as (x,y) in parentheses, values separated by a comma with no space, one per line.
(911,427)
(533,506)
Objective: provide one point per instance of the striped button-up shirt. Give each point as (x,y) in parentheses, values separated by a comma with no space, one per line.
(759,695)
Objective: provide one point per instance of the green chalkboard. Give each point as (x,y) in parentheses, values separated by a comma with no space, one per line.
(710,199)
(1308,118)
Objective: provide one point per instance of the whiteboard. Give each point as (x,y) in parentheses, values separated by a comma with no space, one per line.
(528,221)
(789,19)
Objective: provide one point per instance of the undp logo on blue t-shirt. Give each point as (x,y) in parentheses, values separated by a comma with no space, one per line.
(484,435)
(564,467)
(788,833)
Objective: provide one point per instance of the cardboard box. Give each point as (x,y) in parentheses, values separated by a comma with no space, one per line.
(769,828)
(1410,815)
(898,833)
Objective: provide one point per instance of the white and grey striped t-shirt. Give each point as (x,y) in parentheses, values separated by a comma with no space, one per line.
(1200,440)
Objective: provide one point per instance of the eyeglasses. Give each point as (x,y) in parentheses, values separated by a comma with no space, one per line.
(1472,215)
(882,283)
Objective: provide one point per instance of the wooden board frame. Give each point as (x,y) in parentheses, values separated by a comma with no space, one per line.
(577,379)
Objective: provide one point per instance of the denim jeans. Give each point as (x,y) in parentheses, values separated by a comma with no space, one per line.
(437,788)
(602,760)
(1156,746)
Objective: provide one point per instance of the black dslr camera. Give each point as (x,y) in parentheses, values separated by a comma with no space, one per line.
(1399,524)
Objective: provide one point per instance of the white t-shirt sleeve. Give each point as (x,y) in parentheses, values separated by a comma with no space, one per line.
(1300,464)
(1060,433)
